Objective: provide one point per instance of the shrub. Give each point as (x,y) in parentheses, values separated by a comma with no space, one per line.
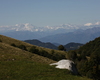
(58,57)
(52,51)
(23,47)
(13,45)
(34,50)
(0,40)
(44,53)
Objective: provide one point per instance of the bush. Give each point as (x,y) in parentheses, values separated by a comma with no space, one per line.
(34,50)
(13,45)
(89,74)
(52,51)
(23,47)
(0,40)
(58,57)
(44,53)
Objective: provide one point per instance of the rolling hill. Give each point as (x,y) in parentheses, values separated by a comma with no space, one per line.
(17,63)
(9,52)
(40,50)
(42,44)
(69,46)
(72,46)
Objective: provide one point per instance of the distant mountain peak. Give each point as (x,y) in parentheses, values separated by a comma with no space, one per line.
(25,27)
(21,27)
(61,28)
(32,28)
(92,24)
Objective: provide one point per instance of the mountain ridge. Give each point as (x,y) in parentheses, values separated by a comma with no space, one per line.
(67,32)
(33,28)
(42,44)
(77,36)
(69,46)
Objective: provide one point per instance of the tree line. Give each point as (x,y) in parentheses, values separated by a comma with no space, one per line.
(52,55)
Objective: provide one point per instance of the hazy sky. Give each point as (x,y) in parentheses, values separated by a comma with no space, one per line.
(49,12)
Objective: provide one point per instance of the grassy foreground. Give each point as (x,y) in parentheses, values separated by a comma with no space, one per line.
(29,70)
(18,64)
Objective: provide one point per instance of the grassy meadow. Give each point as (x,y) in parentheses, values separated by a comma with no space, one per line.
(30,70)
(18,64)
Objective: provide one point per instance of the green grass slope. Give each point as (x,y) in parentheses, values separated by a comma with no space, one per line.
(9,41)
(18,64)
(29,70)
(10,53)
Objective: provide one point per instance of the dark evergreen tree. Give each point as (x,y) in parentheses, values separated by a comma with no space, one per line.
(61,47)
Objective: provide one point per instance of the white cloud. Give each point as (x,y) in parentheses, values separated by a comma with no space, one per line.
(88,24)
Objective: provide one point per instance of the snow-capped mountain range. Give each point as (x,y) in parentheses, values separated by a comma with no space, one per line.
(32,28)
(61,34)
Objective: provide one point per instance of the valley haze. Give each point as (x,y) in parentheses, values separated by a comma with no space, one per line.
(61,34)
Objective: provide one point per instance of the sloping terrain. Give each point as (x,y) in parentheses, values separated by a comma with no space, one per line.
(10,53)
(20,64)
(87,58)
(14,42)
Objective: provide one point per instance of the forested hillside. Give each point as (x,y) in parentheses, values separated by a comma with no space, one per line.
(87,59)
